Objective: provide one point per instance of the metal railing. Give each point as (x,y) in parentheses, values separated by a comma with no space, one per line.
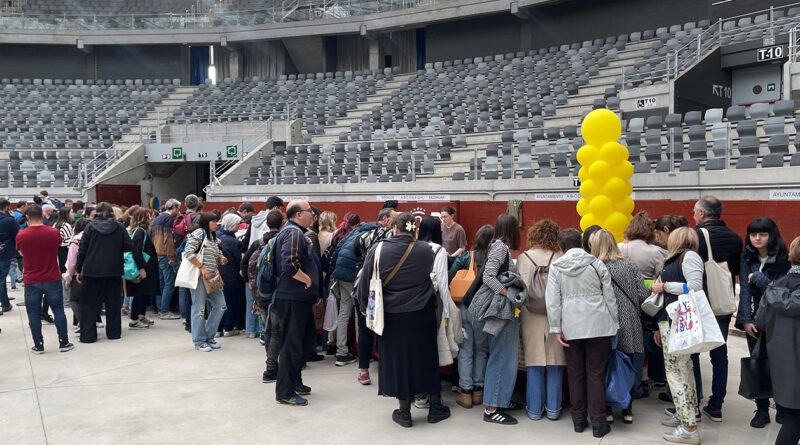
(777,17)
(217,17)
(794,44)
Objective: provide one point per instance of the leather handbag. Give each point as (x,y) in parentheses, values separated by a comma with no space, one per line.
(756,382)
(654,303)
(463,280)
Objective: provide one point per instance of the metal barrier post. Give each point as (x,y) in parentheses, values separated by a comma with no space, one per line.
(671,149)
(728,145)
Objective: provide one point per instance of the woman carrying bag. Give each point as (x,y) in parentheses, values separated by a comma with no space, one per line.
(203,252)
(409,363)
(71,276)
(682,272)
(764,260)
(143,288)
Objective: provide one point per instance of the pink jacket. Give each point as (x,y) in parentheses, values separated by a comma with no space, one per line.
(72,257)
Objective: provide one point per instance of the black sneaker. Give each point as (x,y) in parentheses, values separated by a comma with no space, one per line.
(302,389)
(9,307)
(269,376)
(609,415)
(514,406)
(294,400)
(779,416)
(38,349)
(500,417)
(715,416)
(402,418)
(47,319)
(760,420)
(664,397)
(437,413)
(627,416)
(601,431)
(344,360)
(331,350)
(579,427)
(65,346)
(697,415)
(316,358)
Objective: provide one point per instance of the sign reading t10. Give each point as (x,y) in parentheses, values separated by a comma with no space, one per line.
(770,53)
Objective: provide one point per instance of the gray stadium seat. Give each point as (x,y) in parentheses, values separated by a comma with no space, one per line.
(716,164)
(746,162)
(772,160)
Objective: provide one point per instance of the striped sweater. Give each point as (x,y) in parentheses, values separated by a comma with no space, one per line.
(211,250)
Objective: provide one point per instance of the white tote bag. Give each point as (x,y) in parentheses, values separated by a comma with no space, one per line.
(694,328)
(719,283)
(188,275)
(331,313)
(375,302)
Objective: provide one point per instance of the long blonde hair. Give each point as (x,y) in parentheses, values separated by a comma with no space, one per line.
(604,247)
(681,240)
(327,221)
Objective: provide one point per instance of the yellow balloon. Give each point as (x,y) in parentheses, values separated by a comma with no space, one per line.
(589,189)
(583,173)
(588,220)
(615,223)
(587,154)
(623,170)
(616,188)
(601,126)
(624,206)
(601,205)
(582,207)
(613,153)
(619,236)
(600,171)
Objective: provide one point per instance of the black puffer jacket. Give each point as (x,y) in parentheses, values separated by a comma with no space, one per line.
(751,290)
(725,244)
(102,245)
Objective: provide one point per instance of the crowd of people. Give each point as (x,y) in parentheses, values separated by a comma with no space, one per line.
(563,304)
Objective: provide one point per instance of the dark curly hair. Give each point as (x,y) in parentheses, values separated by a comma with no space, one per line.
(544,234)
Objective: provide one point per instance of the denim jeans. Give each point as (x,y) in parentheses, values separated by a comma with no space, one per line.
(34,293)
(544,391)
(473,353)
(14,273)
(5,266)
(166,277)
(501,368)
(253,323)
(719,367)
(204,329)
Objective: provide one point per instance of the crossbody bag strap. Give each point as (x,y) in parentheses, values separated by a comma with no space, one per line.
(472,261)
(399,264)
(531,259)
(708,244)
(615,283)
(601,287)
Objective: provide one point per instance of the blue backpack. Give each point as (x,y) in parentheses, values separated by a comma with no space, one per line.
(266,277)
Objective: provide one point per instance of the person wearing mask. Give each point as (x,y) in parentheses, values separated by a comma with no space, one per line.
(501,365)
(683,272)
(162,235)
(474,351)
(544,356)
(8,251)
(99,266)
(727,247)
(203,251)
(38,245)
(234,284)
(579,289)
(297,289)
(365,241)
(454,238)
(665,224)
(409,363)
(71,275)
(630,293)
(778,318)
(147,284)
(343,274)
(764,260)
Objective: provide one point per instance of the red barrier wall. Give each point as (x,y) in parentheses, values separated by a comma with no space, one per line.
(473,214)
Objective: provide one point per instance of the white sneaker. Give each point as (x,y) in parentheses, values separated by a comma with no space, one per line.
(100,325)
(138,325)
(77,330)
(423,402)
(203,347)
(680,435)
(671,421)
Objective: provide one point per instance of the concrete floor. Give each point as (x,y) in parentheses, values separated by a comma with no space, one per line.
(152,387)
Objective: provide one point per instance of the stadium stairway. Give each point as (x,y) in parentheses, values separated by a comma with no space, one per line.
(354,116)
(570,114)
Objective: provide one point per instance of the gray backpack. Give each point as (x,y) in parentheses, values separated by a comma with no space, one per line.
(537,286)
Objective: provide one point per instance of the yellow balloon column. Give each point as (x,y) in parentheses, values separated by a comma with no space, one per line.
(605,175)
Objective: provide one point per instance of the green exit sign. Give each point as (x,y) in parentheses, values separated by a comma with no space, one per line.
(231,151)
(770,87)
(177,152)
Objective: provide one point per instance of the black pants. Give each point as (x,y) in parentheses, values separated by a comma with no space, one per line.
(294,316)
(272,338)
(366,341)
(139,307)
(790,430)
(586,368)
(311,336)
(97,291)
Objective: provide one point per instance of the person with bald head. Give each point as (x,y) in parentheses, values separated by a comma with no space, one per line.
(298,279)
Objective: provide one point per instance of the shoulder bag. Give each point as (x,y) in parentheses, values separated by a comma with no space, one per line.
(463,280)
(719,282)
(188,275)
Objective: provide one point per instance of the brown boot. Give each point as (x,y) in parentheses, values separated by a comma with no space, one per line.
(477,396)
(464,399)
